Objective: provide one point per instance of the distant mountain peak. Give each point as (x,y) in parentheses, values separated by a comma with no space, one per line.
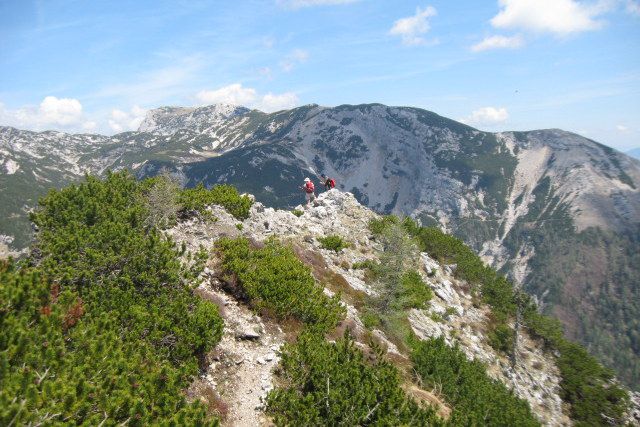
(168,120)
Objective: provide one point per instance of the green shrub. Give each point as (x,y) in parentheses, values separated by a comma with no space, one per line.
(297,212)
(61,362)
(100,324)
(364,265)
(501,338)
(586,384)
(496,290)
(370,318)
(92,239)
(475,398)
(413,292)
(273,278)
(378,226)
(333,243)
(589,388)
(198,198)
(450,311)
(332,384)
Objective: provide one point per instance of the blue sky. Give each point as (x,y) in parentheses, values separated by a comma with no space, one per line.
(496,64)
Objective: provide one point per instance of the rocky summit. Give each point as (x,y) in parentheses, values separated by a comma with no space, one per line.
(557,212)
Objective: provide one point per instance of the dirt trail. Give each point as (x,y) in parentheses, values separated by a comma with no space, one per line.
(242,365)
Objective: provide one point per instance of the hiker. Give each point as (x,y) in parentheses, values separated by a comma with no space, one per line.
(329,183)
(309,192)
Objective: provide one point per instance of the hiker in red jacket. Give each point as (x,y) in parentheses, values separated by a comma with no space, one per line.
(309,192)
(329,183)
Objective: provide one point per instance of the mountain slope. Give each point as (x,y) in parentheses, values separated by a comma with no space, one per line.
(547,201)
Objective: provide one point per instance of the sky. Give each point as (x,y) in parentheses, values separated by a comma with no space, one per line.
(98,66)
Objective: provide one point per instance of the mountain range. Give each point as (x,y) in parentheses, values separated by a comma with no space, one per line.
(635,153)
(557,212)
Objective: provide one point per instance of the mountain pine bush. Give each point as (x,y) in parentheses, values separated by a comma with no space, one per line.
(332,384)
(61,365)
(92,238)
(227,196)
(274,279)
(586,385)
(413,292)
(475,398)
(100,324)
(333,243)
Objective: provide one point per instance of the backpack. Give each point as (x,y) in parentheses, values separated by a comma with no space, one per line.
(332,183)
(309,187)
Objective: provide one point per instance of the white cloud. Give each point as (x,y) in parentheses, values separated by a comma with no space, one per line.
(412,28)
(237,94)
(297,56)
(487,116)
(122,121)
(560,17)
(52,113)
(622,128)
(297,4)
(271,102)
(233,94)
(633,7)
(498,42)
(61,111)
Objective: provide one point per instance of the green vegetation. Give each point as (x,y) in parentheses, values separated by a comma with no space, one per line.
(367,264)
(160,199)
(586,385)
(398,284)
(297,212)
(495,289)
(274,279)
(100,325)
(198,198)
(332,384)
(413,292)
(333,243)
(379,226)
(475,398)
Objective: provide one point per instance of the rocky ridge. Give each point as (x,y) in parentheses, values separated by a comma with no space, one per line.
(241,368)
(557,212)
